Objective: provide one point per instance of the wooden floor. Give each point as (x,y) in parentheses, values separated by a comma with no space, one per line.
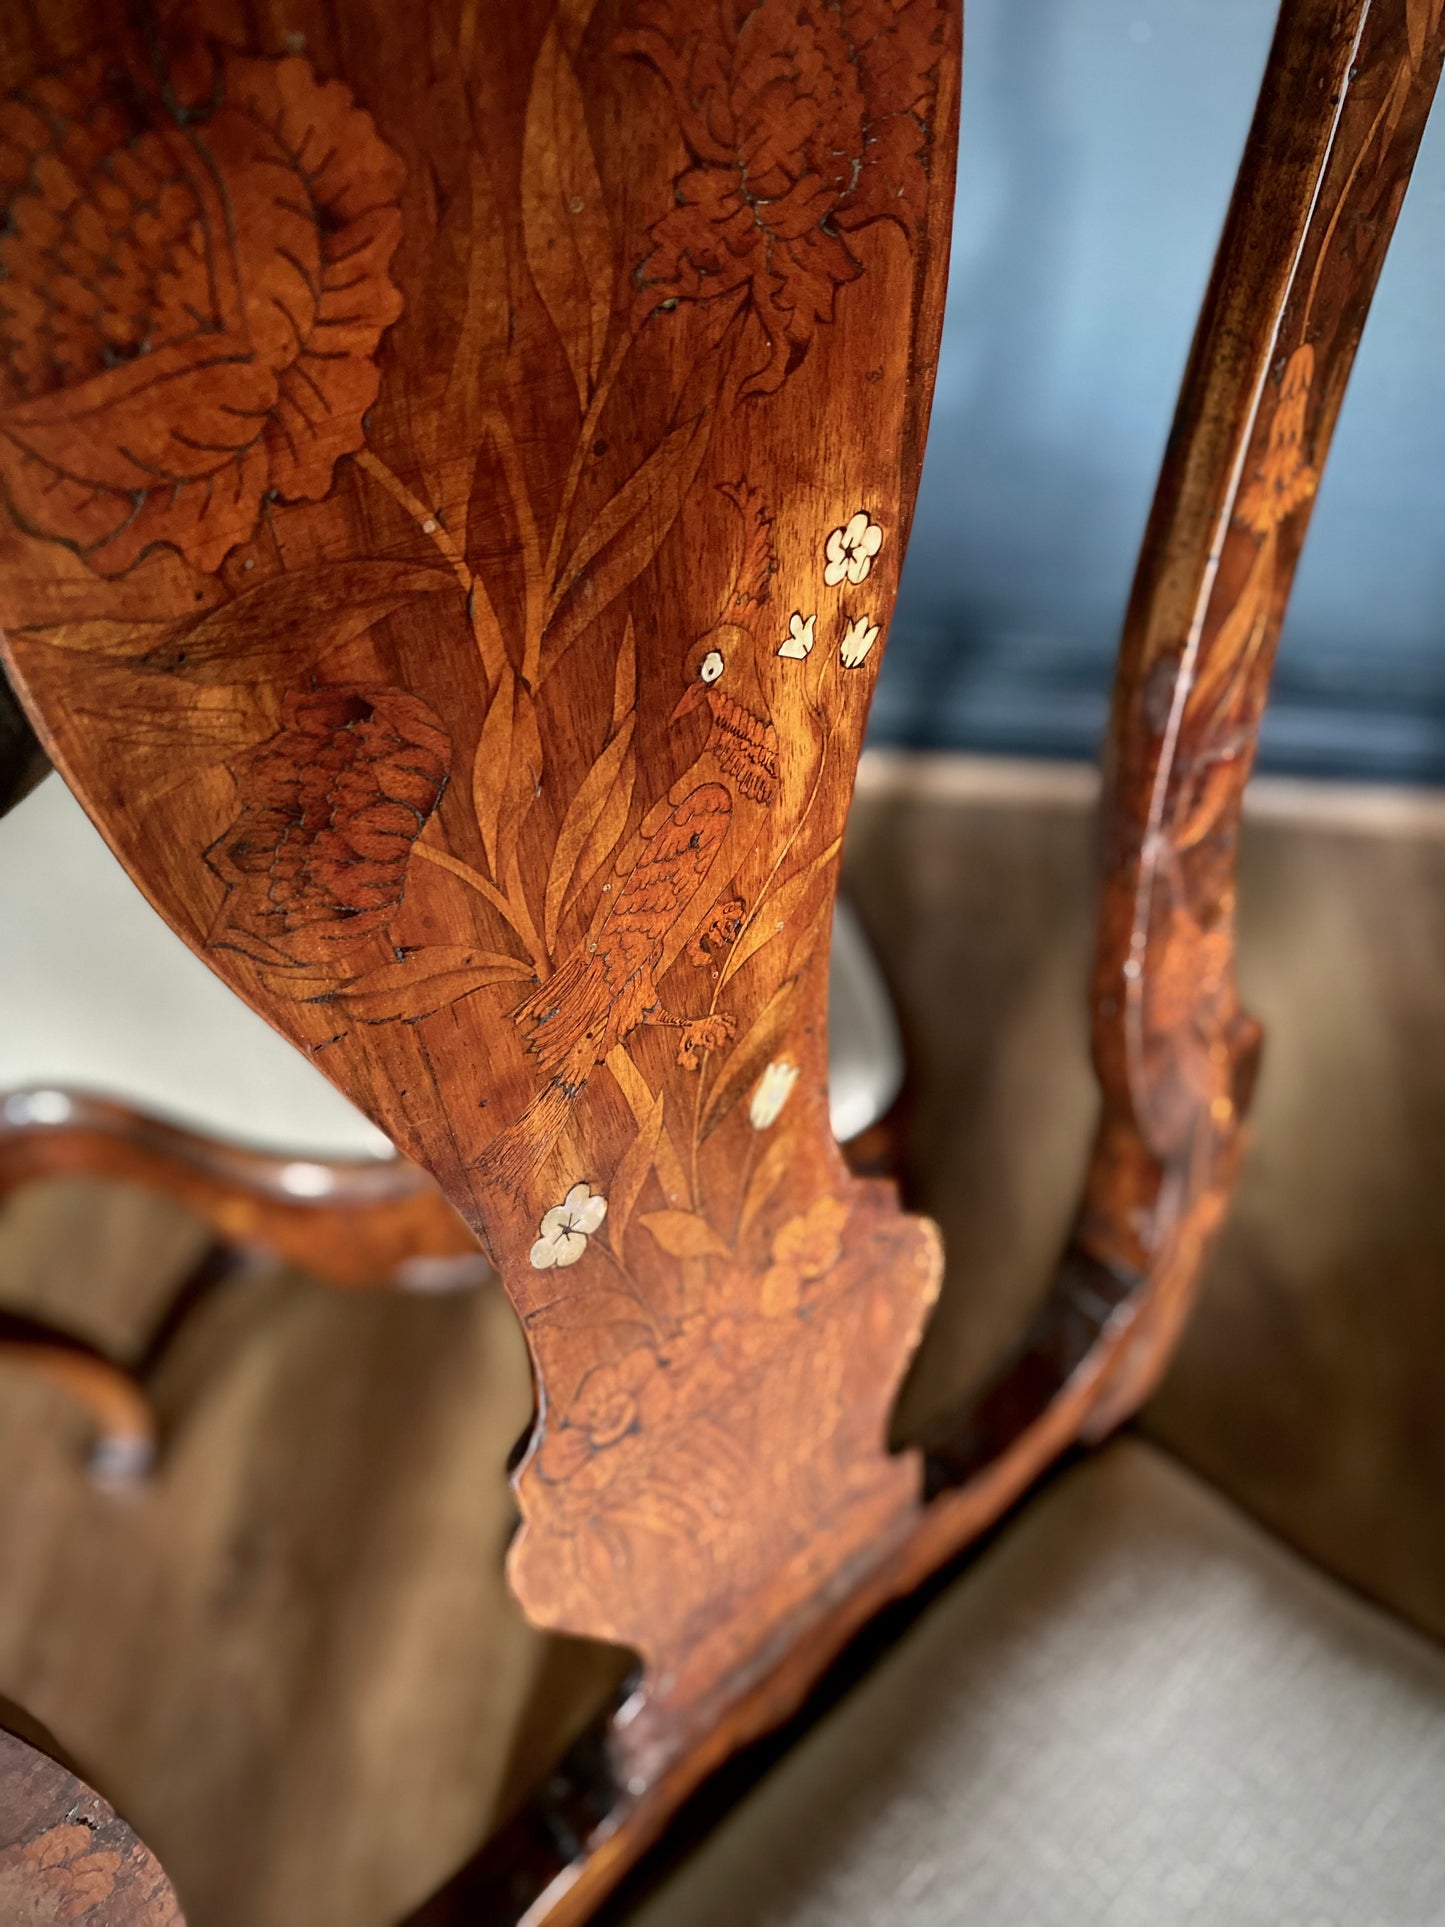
(292,1661)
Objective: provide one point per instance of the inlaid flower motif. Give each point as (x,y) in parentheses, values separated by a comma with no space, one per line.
(797,644)
(1285,479)
(719,933)
(194,280)
(63,1875)
(804,1250)
(848,552)
(563,1233)
(858,638)
(803,123)
(332,805)
(771,1093)
(702,1035)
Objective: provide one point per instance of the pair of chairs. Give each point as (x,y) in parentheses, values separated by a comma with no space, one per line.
(457,469)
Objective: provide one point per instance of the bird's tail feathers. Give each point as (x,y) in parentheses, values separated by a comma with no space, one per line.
(556,1016)
(518,1153)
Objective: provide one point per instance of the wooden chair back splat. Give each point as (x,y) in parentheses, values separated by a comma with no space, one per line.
(454,583)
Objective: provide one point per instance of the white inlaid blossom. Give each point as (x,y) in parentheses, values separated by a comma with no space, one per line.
(798,642)
(858,638)
(849,552)
(565,1229)
(771,1093)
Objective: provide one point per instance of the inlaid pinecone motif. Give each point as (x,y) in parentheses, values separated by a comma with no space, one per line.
(333,803)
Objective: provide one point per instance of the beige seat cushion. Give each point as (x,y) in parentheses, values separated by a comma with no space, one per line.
(1136,1710)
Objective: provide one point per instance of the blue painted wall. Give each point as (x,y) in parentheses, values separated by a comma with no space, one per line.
(1100,139)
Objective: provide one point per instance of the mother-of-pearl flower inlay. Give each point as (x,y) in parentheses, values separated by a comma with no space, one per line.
(858,638)
(798,643)
(848,552)
(771,1093)
(565,1229)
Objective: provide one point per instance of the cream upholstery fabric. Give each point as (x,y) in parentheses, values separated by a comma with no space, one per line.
(1135,1711)
(98,993)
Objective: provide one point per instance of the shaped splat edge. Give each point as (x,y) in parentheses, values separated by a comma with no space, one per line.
(452,569)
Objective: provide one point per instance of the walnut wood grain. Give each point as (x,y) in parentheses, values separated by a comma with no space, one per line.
(450,564)
(66,1858)
(450,561)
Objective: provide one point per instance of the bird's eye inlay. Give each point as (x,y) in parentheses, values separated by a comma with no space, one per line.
(711,666)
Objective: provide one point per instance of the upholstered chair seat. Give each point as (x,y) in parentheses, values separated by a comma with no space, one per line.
(1133,1710)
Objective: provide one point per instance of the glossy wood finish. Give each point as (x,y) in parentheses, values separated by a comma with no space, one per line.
(1343,104)
(497,647)
(66,1858)
(1349,86)
(124,1443)
(353,1223)
(499,652)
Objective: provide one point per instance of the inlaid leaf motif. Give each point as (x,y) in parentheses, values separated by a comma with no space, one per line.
(751,1053)
(492,764)
(1421,19)
(425,980)
(572,18)
(524,773)
(638,1093)
(632,1172)
(564,221)
(1232,650)
(626,534)
(607,831)
(599,792)
(167,747)
(485,326)
(271,633)
(765,1178)
(777,911)
(581,819)
(624,677)
(683,1234)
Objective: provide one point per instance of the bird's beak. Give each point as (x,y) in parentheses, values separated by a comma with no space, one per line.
(691,697)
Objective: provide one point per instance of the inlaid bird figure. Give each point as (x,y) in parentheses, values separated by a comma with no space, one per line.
(662,891)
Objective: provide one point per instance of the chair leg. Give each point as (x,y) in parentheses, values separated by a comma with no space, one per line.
(123,1446)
